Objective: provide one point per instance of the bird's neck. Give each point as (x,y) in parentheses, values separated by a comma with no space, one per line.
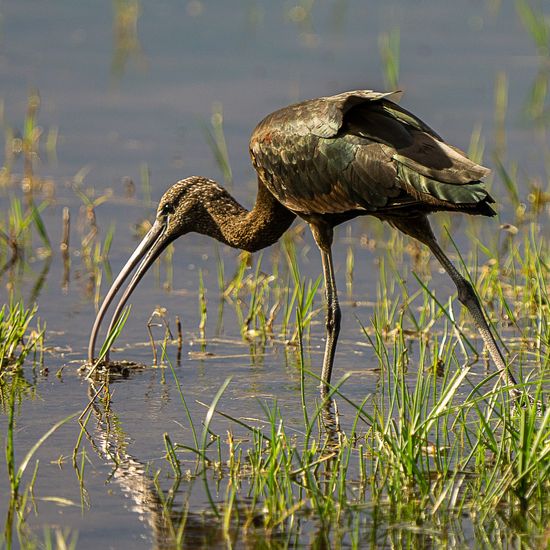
(251,230)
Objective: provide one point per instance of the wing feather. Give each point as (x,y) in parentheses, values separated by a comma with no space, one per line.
(359,150)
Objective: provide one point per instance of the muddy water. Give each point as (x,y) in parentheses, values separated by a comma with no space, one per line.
(127,99)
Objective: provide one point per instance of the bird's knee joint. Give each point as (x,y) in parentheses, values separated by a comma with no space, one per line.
(466,292)
(337,316)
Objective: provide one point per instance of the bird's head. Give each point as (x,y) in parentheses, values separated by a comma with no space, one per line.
(183,208)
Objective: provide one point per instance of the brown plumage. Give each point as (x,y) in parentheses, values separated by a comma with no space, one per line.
(328,160)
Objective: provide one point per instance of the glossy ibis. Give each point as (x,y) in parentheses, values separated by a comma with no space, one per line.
(328,160)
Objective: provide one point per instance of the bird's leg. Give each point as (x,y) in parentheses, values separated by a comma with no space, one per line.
(323,233)
(420,229)
(331,424)
(468,297)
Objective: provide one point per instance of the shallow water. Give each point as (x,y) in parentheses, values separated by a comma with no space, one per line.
(122,101)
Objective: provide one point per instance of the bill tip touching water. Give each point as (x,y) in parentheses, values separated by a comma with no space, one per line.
(327,161)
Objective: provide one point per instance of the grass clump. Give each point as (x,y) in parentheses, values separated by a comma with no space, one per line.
(422,452)
(16,338)
(435,450)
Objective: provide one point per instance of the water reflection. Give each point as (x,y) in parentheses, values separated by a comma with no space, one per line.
(158,509)
(175,508)
(175,515)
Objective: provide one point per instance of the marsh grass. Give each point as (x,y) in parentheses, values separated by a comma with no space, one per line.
(264,304)
(427,456)
(158,319)
(434,445)
(91,370)
(215,138)
(432,454)
(537,25)
(17,234)
(94,254)
(21,498)
(16,340)
(389,45)
(25,144)
(438,445)
(60,539)
(127,47)
(435,449)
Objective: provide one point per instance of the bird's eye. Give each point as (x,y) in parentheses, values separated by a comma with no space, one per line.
(166,209)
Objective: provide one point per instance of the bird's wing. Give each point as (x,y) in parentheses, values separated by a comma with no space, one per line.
(427,167)
(359,150)
(323,117)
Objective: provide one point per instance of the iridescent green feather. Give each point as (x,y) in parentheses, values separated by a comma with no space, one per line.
(470,193)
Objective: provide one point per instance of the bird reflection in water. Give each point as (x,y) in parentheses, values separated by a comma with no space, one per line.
(174,517)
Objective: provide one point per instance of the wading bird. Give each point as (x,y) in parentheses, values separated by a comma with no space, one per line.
(328,160)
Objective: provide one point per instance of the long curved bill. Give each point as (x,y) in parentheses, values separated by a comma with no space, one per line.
(145,254)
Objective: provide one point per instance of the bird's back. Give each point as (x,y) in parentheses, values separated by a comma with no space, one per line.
(360,152)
